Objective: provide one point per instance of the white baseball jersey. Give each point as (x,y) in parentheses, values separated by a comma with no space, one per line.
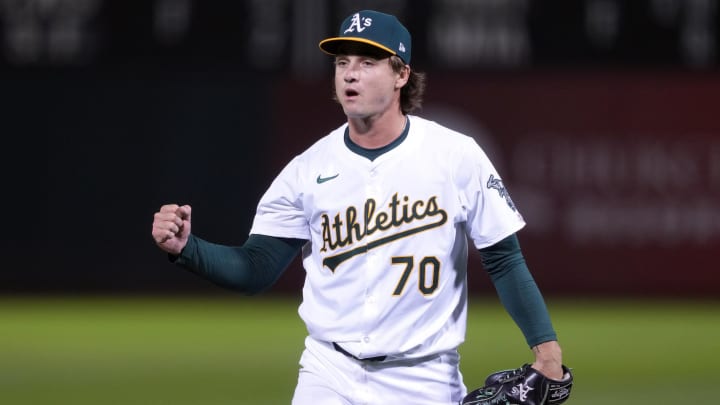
(386,266)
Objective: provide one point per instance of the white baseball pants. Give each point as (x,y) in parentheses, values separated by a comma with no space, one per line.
(328,377)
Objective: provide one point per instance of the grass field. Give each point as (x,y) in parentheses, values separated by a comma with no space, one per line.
(185,351)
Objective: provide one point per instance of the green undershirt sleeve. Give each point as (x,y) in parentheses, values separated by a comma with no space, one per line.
(250,268)
(517,290)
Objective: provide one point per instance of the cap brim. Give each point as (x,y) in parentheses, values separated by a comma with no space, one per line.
(330,45)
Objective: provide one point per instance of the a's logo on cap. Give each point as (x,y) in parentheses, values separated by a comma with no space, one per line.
(358,23)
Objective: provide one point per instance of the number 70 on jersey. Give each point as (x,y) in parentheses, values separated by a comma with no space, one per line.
(428,274)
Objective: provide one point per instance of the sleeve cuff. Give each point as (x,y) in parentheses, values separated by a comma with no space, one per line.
(186,254)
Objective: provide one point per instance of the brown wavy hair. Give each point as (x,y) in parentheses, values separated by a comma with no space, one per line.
(411,95)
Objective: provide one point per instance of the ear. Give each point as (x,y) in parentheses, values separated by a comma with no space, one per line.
(402,77)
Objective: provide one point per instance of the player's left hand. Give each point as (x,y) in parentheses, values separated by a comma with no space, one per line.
(548,359)
(522,386)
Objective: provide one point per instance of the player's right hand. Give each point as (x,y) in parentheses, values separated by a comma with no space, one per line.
(171,227)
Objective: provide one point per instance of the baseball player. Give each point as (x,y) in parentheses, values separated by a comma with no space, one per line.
(381,209)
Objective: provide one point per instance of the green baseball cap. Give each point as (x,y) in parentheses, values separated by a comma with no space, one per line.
(378,29)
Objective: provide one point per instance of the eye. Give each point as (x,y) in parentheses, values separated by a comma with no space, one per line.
(341,62)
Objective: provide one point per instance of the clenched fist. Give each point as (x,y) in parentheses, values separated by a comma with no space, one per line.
(171,227)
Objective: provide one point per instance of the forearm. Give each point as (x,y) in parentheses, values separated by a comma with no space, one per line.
(250,268)
(518,291)
(522,299)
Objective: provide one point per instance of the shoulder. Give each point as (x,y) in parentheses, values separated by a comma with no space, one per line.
(324,147)
(460,153)
(305,166)
(441,137)
(331,140)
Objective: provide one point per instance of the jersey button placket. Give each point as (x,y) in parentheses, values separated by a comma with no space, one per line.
(369,314)
(370,307)
(373,191)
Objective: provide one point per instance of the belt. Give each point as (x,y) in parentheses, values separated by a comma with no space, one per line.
(345,352)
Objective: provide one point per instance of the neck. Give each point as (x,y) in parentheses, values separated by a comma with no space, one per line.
(378,131)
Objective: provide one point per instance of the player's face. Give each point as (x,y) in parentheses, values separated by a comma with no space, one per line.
(365,83)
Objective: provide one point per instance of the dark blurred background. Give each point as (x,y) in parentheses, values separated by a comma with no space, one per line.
(601,115)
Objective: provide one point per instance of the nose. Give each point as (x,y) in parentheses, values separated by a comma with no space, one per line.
(350,77)
(351,73)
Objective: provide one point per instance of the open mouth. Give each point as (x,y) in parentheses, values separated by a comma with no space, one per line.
(351,93)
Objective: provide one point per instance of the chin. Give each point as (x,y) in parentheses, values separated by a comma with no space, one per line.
(353,113)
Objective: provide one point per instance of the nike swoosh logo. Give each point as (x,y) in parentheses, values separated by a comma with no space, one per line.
(321,180)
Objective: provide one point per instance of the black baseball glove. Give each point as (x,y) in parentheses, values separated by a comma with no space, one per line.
(522,386)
